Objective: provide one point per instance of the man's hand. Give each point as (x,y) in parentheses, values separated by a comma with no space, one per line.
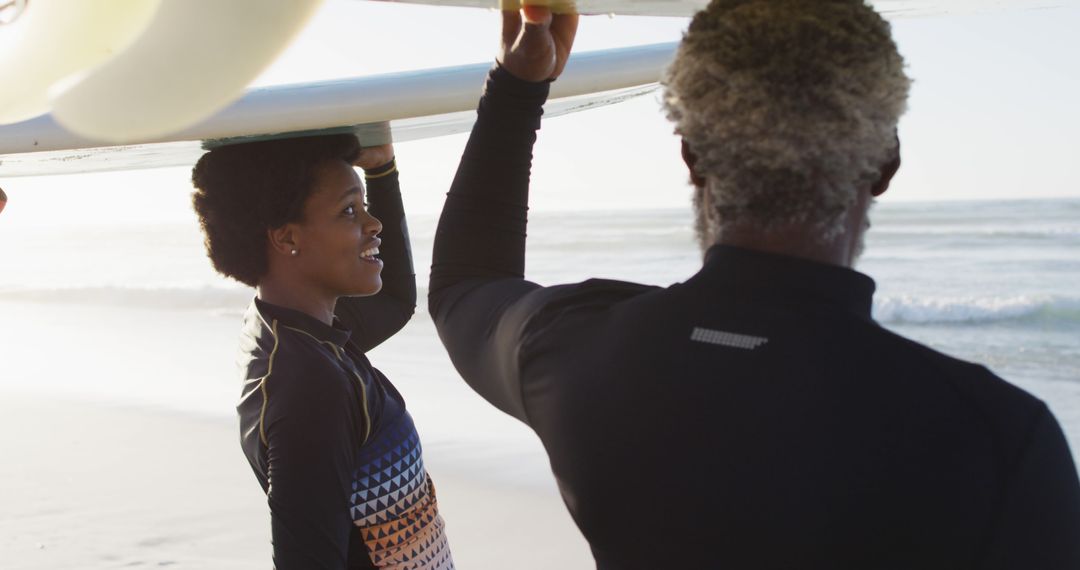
(536,43)
(375,156)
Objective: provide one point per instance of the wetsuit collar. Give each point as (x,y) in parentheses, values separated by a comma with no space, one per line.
(336,334)
(750,269)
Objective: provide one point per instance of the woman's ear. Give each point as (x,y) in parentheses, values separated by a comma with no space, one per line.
(284,240)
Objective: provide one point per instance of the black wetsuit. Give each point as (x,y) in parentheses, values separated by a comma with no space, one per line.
(326,433)
(753,417)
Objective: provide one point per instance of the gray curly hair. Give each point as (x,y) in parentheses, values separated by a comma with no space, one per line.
(790,106)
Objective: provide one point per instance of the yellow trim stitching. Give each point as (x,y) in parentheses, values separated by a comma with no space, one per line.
(363,392)
(315,338)
(262,385)
(364,408)
(392,170)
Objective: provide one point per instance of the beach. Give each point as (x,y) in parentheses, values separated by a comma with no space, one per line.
(102,473)
(100,486)
(119,445)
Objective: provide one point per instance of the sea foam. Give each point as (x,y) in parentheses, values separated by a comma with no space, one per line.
(956,310)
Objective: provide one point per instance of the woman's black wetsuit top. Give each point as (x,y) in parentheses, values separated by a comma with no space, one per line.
(327,434)
(753,417)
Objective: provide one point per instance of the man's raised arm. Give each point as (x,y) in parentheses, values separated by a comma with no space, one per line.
(477,276)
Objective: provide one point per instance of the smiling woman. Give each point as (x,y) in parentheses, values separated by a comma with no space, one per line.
(326,433)
(329,250)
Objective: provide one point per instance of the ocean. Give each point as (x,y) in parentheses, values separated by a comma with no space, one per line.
(134,314)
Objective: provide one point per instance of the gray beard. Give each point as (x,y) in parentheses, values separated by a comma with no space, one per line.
(860,248)
(701,221)
(707,233)
(860,241)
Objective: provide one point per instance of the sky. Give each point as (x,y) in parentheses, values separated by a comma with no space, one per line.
(993,115)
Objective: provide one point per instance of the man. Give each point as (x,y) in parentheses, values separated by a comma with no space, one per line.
(754,416)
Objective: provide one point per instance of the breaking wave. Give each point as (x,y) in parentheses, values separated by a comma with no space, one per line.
(946,310)
(901,309)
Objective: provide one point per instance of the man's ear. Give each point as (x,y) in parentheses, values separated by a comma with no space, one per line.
(888,170)
(691,159)
(283,240)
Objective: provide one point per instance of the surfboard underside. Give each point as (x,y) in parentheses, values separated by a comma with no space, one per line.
(890,8)
(186,153)
(416,104)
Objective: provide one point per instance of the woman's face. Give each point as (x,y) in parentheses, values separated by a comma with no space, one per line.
(336,239)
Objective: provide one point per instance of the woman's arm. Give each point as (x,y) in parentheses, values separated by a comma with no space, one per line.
(312,434)
(376,318)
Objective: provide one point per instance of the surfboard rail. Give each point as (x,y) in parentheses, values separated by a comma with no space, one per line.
(686,8)
(418,104)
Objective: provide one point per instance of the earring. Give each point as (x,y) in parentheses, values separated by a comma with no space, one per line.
(295,252)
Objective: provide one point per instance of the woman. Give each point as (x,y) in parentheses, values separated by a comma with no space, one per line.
(326,433)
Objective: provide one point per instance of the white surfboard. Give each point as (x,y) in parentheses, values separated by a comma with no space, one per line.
(142,94)
(889,8)
(121,70)
(417,104)
(175,74)
(80,35)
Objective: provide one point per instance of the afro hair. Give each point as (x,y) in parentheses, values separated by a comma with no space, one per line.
(243,190)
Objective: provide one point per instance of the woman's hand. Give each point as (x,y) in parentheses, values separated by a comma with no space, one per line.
(536,43)
(375,156)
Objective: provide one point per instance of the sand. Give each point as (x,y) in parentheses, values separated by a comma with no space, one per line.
(92,485)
